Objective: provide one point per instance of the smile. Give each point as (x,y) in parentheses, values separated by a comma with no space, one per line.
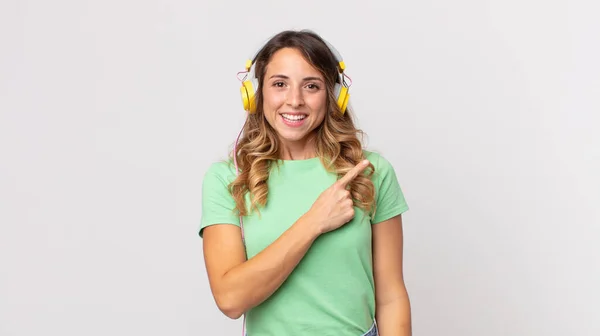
(293,117)
(293,120)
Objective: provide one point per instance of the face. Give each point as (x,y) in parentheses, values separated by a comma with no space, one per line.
(294,96)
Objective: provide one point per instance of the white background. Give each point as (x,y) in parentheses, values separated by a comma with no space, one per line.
(111,112)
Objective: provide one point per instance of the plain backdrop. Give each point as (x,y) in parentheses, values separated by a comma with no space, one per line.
(111,112)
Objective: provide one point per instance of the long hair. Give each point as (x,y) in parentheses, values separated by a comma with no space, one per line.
(337,140)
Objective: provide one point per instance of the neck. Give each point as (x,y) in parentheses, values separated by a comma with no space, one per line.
(298,150)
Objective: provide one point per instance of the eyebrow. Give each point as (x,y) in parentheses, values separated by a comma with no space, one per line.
(305,78)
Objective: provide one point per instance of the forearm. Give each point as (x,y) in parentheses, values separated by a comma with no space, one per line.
(394,317)
(252,282)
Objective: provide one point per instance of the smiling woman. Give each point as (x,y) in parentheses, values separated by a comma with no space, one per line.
(302,227)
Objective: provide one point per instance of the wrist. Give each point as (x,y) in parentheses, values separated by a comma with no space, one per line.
(312,225)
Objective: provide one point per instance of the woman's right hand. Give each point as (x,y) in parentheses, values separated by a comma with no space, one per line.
(335,207)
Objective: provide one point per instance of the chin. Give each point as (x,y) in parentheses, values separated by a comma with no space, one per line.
(286,135)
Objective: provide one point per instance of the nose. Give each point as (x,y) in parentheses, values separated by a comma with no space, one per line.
(295,98)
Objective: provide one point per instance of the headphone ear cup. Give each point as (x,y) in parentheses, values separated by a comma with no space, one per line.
(248,92)
(342,96)
(346,96)
(245,97)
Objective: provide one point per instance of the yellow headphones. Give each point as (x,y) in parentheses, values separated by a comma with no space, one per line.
(250,83)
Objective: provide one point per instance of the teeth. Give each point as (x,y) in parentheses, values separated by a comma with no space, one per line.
(293,117)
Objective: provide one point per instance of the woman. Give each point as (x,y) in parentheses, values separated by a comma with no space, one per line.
(317,246)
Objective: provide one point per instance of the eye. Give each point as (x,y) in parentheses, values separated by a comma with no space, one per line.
(313,86)
(278,84)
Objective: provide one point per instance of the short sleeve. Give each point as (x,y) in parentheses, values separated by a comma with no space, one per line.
(218,205)
(389,197)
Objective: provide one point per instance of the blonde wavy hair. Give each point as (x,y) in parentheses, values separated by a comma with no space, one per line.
(337,140)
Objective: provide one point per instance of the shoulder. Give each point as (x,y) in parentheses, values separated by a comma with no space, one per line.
(218,205)
(222,171)
(389,195)
(382,165)
(221,168)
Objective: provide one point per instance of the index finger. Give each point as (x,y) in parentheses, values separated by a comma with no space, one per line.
(353,173)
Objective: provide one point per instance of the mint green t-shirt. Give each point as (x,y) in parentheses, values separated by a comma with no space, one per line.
(331,290)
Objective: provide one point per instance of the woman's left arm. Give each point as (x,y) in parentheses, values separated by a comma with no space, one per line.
(393,313)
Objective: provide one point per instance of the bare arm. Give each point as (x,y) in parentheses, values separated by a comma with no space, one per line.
(239,284)
(393,312)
